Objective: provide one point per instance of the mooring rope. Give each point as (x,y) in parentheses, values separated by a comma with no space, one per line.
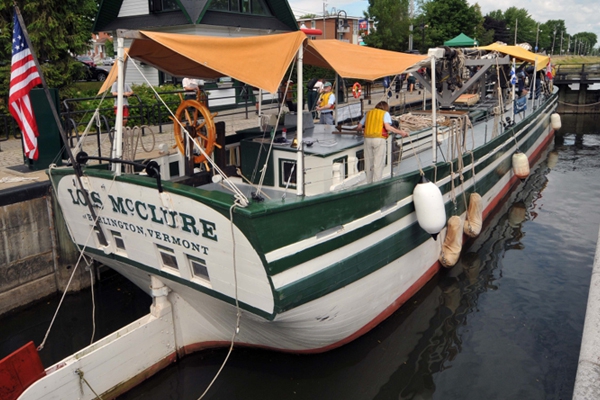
(82,378)
(237,304)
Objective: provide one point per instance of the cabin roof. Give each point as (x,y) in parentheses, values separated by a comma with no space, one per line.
(195,12)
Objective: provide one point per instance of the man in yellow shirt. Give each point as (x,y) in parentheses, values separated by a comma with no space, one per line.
(377,127)
(326,105)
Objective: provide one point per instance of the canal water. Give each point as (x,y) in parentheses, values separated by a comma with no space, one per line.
(504,323)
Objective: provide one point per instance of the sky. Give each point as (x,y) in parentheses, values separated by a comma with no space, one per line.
(579,15)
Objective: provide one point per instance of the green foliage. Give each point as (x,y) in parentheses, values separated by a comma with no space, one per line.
(57,30)
(587,39)
(391,22)
(444,19)
(110,49)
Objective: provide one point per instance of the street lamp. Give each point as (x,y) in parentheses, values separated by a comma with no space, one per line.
(341,23)
(537,36)
(553,40)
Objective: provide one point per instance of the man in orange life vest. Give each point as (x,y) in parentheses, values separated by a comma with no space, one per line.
(326,105)
(378,125)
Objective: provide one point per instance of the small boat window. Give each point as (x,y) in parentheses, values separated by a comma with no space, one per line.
(199,269)
(118,238)
(167,256)
(287,173)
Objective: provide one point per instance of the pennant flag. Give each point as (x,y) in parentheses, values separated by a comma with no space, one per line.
(24,76)
(513,75)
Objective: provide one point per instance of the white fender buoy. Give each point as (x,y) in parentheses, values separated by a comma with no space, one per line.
(429,207)
(453,242)
(555,121)
(474,215)
(520,165)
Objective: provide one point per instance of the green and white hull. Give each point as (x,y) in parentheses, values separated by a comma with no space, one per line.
(308,273)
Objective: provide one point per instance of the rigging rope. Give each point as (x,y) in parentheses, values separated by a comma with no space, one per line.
(239,194)
(237,304)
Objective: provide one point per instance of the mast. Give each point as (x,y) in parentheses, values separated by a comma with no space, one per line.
(299,115)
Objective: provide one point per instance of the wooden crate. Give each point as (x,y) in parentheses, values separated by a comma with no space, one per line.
(467,99)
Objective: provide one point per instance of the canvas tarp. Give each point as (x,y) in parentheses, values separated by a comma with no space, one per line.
(519,53)
(261,61)
(112,75)
(461,40)
(358,62)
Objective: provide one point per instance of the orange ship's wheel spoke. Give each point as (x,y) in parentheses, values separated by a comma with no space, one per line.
(201,127)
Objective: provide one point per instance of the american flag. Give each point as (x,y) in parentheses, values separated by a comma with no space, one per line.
(24,76)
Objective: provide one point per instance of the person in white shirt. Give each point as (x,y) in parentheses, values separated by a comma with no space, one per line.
(192,87)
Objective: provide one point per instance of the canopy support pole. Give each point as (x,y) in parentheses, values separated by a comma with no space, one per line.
(117,151)
(299,128)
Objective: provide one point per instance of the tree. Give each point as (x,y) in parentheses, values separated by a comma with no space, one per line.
(497,28)
(551,32)
(391,23)
(518,20)
(57,30)
(444,19)
(586,42)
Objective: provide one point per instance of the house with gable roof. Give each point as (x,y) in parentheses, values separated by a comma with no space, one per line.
(223,18)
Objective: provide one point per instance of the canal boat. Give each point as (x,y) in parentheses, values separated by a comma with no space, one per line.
(292,251)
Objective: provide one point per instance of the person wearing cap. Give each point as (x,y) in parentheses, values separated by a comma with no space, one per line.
(377,127)
(326,105)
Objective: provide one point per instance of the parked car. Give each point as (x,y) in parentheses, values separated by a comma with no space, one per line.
(108,61)
(94,73)
(87,60)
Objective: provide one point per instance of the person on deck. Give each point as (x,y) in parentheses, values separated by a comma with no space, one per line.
(326,105)
(313,88)
(126,93)
(192,87)
(377,127)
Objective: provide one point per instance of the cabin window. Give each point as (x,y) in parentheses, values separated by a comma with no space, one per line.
(287,173)
(198,267)
(118,238)
(100,237)
(167,256)
(162,5)
(256,7)
(344,162)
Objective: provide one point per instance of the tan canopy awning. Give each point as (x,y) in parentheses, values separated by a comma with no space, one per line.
(261,61)
(358,62)
(519,53)
(112,75)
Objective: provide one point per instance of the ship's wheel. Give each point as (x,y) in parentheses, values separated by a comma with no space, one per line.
(199,122)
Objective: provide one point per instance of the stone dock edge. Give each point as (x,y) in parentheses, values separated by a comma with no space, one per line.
(587,381)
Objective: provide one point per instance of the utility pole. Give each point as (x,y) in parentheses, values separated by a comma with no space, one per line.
(411,13)
(537,36)
(324,22)
(516,27)
(553,40)
(561,41)
(569,46)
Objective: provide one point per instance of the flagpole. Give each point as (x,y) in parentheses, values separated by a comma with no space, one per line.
(76,165)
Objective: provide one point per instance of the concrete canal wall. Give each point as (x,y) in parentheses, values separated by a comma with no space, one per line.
(36,252)
(578,101)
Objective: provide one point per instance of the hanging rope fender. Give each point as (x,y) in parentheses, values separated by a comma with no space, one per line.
(356,90)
